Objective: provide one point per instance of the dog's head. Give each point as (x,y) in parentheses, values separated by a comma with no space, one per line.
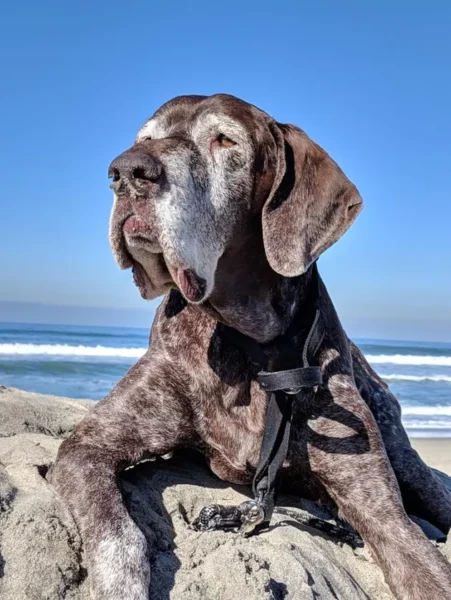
(199,170)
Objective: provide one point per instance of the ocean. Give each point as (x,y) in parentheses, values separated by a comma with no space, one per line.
(86,362)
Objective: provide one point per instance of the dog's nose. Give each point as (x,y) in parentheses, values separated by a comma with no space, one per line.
(135,167)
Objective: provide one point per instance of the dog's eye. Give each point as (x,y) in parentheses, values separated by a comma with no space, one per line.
(225,141)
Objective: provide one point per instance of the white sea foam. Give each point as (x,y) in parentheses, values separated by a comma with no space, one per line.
(67,350)
(426,410)
(427,418)
(18,349)
(427,425)
(409,359)
(401,377)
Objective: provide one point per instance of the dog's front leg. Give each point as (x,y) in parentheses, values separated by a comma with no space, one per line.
(140,417)
(346,453)
(115,548)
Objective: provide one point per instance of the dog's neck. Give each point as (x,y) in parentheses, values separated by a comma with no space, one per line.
(252,298)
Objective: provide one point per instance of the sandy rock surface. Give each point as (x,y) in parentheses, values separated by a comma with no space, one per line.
(41,555)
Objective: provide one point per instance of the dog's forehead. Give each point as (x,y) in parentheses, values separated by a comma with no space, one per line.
(190,113)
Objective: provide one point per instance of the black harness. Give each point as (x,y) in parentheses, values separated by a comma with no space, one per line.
(283,388)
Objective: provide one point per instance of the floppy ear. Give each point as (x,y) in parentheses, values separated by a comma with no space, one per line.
(310,206)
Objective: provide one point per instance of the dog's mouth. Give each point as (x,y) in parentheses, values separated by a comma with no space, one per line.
(140,277)
(137,232)
(190,284)
(147,255)
(155,270)
(137,247)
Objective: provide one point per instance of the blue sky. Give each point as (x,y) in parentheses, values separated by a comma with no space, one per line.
(370,82)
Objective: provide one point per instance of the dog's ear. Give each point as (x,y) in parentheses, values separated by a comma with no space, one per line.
(310,206)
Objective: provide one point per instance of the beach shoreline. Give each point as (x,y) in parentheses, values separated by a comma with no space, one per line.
(436,452)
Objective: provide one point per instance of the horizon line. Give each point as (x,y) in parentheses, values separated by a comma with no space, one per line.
(149,327)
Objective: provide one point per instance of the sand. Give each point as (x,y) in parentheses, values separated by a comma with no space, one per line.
(41,554)
(436,452)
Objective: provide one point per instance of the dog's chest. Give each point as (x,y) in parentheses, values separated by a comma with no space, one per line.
(231,427)
(228,406)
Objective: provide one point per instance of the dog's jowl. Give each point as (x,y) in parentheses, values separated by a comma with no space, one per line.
(226,212)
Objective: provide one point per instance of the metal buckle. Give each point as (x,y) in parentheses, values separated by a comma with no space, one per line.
(292,391)
(243,518)
(216,516)
(252,515)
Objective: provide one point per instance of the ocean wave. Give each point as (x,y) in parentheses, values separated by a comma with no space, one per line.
(444,411)
(409,359)
(427,425)
(67,350)
(44,366)
(18,349)
(70,333)
(428,418)
(401,377)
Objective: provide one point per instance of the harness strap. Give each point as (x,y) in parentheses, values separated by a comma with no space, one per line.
(276,439)
(283,389)
(290,381)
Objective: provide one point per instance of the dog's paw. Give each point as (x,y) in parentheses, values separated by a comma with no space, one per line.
(119,566)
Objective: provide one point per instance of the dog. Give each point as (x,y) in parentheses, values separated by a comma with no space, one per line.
(225,212)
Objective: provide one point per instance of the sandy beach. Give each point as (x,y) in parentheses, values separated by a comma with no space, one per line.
(41,554)
(436,452)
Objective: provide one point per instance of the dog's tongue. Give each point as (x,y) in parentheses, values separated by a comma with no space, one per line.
(192,286)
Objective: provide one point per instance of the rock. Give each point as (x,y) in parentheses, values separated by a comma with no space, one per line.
(41,555)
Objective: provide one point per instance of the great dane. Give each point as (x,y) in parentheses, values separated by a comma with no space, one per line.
(225,212)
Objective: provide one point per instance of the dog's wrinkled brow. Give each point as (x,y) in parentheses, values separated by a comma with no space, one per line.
(151,129)
(158,128)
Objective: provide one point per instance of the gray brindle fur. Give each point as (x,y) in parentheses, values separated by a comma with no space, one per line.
(236,223)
